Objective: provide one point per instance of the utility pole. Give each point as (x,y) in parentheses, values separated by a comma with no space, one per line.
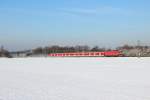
(138,47)
(138,43)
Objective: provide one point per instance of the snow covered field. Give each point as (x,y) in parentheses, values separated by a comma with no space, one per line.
(75,79)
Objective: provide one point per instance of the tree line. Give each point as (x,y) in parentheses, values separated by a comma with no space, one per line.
(63,49)
(4,52)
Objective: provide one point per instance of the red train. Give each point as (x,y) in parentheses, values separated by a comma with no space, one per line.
(114,53)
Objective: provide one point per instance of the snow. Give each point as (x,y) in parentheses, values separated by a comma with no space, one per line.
(75,79)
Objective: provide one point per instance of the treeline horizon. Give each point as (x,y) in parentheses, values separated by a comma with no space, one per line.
(82,48)
(126,49)
(78,48)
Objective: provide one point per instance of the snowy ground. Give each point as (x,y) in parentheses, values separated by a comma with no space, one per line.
(75,79)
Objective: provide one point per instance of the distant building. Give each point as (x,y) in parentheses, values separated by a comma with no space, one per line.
(136,51)
(21,53)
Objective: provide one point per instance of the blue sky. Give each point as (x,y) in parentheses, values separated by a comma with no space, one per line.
(28,24)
